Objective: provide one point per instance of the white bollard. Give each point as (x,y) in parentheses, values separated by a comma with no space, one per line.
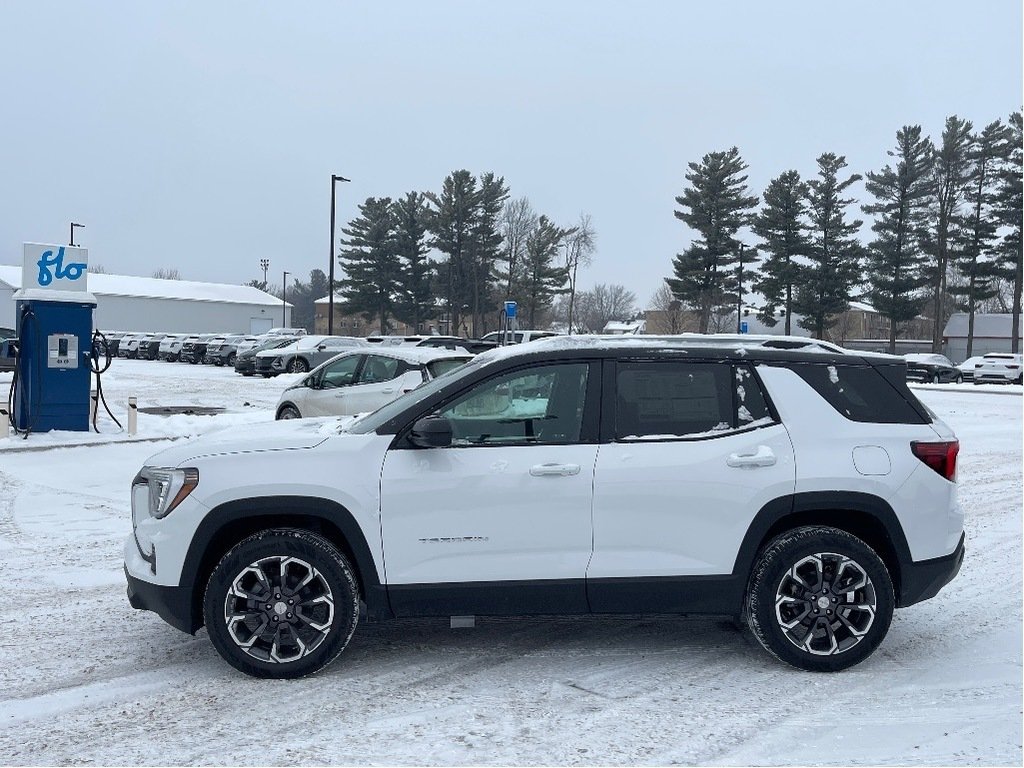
(5,422)
(94,401)
(133,415)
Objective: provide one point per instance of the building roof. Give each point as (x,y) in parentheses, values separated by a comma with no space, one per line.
(994,326)
(327,299)
(156,288)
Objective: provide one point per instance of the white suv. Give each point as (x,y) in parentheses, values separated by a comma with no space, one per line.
(999,368)
(807,492)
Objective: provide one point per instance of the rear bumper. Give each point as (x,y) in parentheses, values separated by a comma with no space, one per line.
(172,604)
(923,579)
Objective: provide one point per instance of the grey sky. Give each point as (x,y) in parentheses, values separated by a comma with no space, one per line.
(202,136)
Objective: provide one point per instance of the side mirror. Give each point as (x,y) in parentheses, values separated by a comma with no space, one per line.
(431,432)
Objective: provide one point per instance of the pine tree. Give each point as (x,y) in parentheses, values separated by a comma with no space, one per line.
(372,268)
(545,277)
(780,224)
(974,237)
(451,224)
(485,247)
(835,253)
(1009,210)
(949,179)
(715,206)
(895,257)
(415,303)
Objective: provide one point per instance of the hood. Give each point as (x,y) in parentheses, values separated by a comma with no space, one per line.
(287,435)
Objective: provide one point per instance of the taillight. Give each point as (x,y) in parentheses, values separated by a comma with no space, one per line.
(939,456)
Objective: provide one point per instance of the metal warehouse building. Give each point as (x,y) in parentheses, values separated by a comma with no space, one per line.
(132,303)
(992,333)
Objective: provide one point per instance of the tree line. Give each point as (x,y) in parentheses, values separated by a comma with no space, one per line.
(492,247)
(946,222)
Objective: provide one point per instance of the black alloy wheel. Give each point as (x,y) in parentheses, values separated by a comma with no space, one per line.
(820,599)
(298,365)
(283,603)
(288,412)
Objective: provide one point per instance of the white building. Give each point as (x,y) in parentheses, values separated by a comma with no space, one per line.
(992,333)
(130,303)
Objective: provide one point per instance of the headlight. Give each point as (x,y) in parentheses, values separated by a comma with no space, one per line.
(167,488)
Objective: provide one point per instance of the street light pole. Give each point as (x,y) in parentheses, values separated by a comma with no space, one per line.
(284,300)
(330,279)
(739,291)
(264,265)
(73,225)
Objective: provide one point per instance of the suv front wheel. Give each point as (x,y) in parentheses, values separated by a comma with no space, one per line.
(282,603)
(820,599)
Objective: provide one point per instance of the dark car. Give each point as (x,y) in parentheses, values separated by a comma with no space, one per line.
(149,348)
(114,341)
(937,369)
(245,363)
(224,350)
(194,348)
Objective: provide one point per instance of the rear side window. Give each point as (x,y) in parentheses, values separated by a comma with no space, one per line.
(676,399)
(860,393)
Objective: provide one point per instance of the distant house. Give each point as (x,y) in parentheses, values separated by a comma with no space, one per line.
(620,328)
(991,334)
(357,325)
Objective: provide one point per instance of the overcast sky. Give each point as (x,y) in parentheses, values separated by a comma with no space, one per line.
(202,136)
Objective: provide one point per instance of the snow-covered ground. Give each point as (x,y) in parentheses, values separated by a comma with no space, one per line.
(86,679)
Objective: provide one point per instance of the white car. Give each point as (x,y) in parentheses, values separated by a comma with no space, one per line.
(363,380)
(967,367)
(999,368)
(518,337)
(808,493)
(170,346)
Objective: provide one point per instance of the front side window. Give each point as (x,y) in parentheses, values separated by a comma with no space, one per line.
(340,373)
(537,405)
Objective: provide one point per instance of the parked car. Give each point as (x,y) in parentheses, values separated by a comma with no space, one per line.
(114,341)
(810,493)
(937,369)
(286,332)
(8,346)
(129,346)
(364,380)
(518,337)
(254,341)
(303,354)
(967,367)
(999,368)
(170,346)
(245,362)
(149,347)
(224,350)
(193,349)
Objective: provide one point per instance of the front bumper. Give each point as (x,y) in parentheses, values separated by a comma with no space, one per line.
(172,604)
(923,579)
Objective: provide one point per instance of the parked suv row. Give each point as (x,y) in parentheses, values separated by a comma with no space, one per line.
(809,493)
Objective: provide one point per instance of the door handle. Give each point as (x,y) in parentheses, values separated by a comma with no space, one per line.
(559,470)
(388,391)
(763,457)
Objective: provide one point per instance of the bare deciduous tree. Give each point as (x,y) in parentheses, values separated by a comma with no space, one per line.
(580,243)
(518,220)
(604,303)
(165,273)
(672,315)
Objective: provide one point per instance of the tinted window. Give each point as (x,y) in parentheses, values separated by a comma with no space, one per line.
(441,367)
(377,369)
(537,405)
(860,393)
(340,373)
(673,399)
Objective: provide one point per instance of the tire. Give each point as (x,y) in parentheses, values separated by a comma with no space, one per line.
(784,570)
(298,365)
(959,378)
(288,412)
(290,646)
(936,379)
(231,360)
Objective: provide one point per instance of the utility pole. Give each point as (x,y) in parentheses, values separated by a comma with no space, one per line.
(330,270)
(739,292)
(264,265)
(284,301)
(73,225)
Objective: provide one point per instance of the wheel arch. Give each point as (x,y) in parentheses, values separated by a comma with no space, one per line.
(868,517)
(233,521)
(286,404)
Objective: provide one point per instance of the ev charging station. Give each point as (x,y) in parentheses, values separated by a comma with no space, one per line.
(50,389)
(509,322)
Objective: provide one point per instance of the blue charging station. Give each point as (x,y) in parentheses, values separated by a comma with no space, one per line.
(55,312)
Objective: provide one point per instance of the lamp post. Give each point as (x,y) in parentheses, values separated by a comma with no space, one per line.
(284,301)
(264,265)
(330,278)
(739,291)
(73,225)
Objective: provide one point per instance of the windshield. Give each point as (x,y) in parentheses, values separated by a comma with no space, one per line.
(384,414)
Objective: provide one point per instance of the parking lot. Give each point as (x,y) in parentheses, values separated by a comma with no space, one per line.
(87,679)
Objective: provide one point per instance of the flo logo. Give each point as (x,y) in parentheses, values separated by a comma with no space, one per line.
(70,271)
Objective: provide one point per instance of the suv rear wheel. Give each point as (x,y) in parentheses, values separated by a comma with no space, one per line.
(282,603)
(820,599)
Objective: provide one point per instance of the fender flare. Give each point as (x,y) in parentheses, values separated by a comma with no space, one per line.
(208,543)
